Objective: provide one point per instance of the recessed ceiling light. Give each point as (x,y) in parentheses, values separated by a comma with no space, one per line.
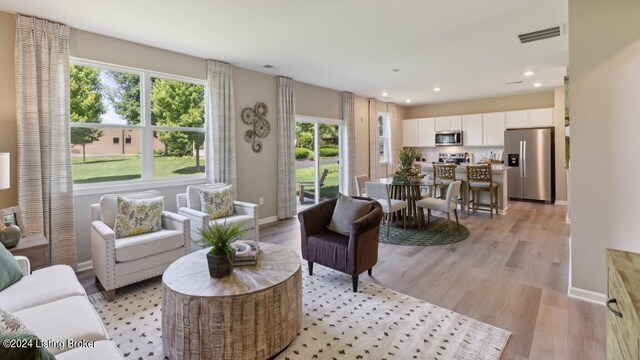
(385,94)
(538,84)
(394,71)
(528,73)
(436,89)
(407,101)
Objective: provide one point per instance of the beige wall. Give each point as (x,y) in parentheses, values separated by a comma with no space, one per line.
(502,103)
(313,100)
(8,141)
(92,46)
(604,76)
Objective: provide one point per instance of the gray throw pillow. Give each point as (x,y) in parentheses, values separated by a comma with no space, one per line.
(10,271)
(346,212)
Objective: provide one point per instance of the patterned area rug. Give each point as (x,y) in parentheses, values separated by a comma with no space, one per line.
(437,233)
(375,323)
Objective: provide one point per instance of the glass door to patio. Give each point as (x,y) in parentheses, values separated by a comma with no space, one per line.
(318,164)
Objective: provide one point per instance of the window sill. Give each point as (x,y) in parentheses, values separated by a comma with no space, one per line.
(94,189)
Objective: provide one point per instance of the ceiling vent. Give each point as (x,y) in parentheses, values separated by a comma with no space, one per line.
(538,35)
(268,66)
(514,82)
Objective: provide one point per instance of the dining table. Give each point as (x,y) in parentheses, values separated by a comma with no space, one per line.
(411,193)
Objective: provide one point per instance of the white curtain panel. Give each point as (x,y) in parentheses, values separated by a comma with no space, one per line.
(45,184)
(220,137)
(349,119)
(286,148)
(374,140)
(394,138)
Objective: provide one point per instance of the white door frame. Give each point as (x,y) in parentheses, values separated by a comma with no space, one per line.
(316,121)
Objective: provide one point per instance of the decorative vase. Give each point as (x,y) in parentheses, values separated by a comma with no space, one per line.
(219,265)
(9,235)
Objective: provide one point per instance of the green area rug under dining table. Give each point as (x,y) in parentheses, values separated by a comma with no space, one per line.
(436,233)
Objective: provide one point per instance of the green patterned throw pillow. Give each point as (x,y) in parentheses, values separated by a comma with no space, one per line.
(138,216)
(18,342)
(218,203)
(10,271)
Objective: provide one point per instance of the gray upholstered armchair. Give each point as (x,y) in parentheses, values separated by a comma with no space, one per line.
(123,261)
(189,205)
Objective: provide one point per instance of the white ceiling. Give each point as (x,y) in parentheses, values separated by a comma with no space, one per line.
(468,48)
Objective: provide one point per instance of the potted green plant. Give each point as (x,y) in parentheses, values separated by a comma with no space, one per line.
(220,237)
(406,172)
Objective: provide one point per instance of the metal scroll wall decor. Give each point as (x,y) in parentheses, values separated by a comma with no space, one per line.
(257,118)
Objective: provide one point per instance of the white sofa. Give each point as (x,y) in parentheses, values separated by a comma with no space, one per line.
(189,205)
(124,261)
(52,303)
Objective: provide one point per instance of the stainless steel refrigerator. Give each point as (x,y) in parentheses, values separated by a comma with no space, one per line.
(530,154)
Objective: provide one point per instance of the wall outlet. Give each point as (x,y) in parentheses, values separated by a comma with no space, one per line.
(261,201)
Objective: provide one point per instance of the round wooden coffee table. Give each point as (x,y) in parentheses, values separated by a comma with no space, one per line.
(254,313)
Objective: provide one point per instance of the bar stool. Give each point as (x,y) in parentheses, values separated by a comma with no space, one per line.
(443,175)
(480,178)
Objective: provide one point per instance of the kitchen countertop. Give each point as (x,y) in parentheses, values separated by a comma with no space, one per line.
(461,167)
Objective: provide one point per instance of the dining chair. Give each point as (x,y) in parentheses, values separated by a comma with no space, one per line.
(380,192)
(448,205)
(360,185)
(480,179)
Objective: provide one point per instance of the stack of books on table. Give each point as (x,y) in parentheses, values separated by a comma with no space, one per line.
(249,258)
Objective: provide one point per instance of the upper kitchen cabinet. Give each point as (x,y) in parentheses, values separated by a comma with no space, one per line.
(541,117)
(529,118)
(449,123)
(410,133)
(426,132)
(472,126)
(493,129)
(517,119)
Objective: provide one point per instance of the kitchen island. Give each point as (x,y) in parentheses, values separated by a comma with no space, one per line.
(500,177)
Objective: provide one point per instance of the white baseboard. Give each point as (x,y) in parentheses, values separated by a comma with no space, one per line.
(268,220)
(561,202)
(85,265)
(587,295)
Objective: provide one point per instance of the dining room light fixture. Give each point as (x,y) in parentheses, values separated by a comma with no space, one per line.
(538,84)
(528,73)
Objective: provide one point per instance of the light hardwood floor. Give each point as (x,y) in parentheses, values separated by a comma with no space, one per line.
(512,272)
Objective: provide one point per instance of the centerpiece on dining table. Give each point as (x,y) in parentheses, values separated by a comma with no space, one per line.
(408,171)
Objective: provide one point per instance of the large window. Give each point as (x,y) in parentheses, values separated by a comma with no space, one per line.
(384,134)
(130,124)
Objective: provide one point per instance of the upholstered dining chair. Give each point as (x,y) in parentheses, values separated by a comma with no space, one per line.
(380,192)
(361,184)
(189,205)
(122,261)
(352,254)
(448,205)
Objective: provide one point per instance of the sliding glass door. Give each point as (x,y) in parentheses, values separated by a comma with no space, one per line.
(318,154)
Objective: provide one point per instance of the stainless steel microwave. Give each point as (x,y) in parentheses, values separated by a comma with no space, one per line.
(448,138)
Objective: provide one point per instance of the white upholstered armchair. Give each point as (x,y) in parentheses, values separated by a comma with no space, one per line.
(189,205)
(121,261)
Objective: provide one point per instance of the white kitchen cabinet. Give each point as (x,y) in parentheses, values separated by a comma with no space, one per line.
(517,119)
(410,133)
(541,117)
(444,123)
(427,132)
(472,127)
(493,129)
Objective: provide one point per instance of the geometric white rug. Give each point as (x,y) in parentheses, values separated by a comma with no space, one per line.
(374,323)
